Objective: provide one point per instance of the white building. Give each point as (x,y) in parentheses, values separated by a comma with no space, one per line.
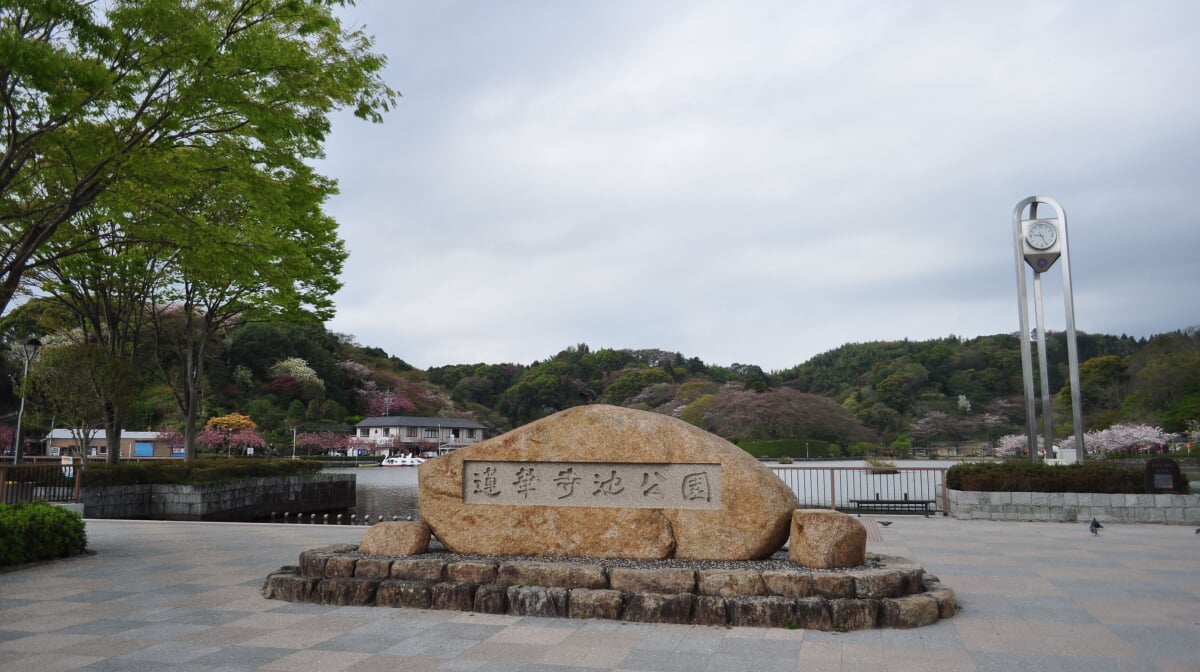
(393,433)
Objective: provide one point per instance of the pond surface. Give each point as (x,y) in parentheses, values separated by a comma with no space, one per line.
(385,491)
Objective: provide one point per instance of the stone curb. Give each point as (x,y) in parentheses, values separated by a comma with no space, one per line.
(890,592)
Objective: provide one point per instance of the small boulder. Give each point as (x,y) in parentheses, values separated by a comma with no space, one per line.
(824,539)
(395,539)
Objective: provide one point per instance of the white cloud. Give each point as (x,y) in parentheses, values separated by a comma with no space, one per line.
(759,182)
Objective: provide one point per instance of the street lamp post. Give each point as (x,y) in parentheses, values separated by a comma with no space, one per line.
(293,443)
(29,348)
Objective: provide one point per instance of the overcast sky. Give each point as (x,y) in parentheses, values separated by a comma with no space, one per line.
(760,182)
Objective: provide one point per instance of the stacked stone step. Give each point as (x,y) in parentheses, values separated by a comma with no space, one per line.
(892,592)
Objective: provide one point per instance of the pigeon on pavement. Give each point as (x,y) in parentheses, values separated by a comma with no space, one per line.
(1095,527)
(885,523)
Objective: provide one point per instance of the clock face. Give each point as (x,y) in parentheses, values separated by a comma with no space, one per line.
(1041,235)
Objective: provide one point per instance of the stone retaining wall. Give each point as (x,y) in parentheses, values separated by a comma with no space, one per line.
(246,499)
(887,592)
(1070,507)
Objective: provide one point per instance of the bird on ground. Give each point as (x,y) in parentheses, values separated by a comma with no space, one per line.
(885,523)
(1095,527)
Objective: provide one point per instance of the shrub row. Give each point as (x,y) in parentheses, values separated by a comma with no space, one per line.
(38,531)
(347,459)
(1021,476)
(793,448)
(214,470)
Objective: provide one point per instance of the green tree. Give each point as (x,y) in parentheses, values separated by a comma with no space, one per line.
(633,382)
(696,412)
(104,289)
(79,385)
(130,105)
(547,389)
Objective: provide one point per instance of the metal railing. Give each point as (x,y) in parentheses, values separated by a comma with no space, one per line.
(837,487)
(30,482)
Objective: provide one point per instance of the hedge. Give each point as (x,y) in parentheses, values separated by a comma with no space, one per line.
(1022,476)
(35,531)
(215,470)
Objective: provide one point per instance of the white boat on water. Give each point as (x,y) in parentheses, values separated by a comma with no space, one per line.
(401,461)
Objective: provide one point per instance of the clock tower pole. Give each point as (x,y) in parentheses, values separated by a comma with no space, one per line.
(1039,242)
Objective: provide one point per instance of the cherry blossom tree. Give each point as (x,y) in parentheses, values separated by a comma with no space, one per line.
(245,439)
(1120,438)
(381,403)
(7,436)
(1012,445)
(174,438)
(213,439)
(322,442)
(297,368)
(935,424)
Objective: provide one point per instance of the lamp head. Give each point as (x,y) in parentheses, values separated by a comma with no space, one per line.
(30,346)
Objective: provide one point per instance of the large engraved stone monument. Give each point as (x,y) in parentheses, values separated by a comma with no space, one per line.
(606,482)
(607,492)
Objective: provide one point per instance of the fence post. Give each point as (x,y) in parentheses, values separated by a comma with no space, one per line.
(833,489)
(945,495)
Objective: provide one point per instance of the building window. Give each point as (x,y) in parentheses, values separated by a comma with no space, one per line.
(431,432)
(412,432)
(468,433)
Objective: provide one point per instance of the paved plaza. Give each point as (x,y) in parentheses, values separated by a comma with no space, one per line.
(185,597)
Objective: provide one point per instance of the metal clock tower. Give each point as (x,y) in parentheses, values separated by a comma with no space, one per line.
(1039,242)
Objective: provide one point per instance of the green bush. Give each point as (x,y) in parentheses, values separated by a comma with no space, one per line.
(216,470)
(38,531)
(348,460)
(1021,476)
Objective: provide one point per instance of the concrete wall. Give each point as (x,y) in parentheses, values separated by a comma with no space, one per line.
(239,500)
(1075,506)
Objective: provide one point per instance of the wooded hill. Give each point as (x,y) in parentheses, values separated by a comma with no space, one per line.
(287,375)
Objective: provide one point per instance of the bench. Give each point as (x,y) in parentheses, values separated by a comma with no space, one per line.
(905,504)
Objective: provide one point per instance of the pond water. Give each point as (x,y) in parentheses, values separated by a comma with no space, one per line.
(385,491)
(392,491)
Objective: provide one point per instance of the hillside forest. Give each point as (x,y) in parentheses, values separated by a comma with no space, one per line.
(168,252)
(265,382)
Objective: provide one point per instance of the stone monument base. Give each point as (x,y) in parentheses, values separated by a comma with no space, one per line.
(886,592)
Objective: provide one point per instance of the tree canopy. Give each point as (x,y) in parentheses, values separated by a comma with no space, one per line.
(136,108)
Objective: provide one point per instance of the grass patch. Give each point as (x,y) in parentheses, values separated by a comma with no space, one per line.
(882,467)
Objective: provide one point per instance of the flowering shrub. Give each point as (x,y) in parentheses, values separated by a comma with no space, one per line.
(297,368)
